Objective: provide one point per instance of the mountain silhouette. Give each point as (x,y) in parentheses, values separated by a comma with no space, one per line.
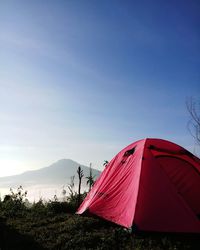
(58,174)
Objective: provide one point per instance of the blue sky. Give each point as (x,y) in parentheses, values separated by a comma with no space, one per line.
(83,79)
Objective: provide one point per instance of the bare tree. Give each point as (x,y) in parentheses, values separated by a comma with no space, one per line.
(70,187)
(80,176)
(193,108)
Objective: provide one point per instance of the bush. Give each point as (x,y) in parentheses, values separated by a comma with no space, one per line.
(56,207)
(73,200)
(14,203)
(38,208)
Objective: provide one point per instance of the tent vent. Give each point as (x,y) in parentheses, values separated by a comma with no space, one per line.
(173,152)
(129,152)
(151,147)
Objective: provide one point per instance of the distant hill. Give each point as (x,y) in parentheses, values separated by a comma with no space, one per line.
(56,175)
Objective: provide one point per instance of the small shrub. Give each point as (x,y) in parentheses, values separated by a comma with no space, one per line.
(56,207)
(38,208)
(14,203)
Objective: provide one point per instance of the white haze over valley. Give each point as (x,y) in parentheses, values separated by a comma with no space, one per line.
(44,192)
(48,182)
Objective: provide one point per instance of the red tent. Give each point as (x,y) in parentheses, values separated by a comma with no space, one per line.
(152,185)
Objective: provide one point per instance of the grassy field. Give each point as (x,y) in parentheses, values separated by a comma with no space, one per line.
(54,225)
(70,231)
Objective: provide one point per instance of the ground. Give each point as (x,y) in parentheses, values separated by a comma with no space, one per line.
(71,231)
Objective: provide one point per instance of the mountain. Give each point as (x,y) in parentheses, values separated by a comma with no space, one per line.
(57,173)
(55,176)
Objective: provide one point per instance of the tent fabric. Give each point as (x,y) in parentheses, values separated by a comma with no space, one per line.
(153,185)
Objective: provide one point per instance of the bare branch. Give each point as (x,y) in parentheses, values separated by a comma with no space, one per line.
(193,109)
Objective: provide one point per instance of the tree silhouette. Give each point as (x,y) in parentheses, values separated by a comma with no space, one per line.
(71,186)
(90,178)
(80,176)
(193,108)
(105,163)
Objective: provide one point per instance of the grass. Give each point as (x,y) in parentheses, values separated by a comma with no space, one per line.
(54,225)
(70,231)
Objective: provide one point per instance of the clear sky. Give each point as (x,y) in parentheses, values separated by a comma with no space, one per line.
(83,79)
